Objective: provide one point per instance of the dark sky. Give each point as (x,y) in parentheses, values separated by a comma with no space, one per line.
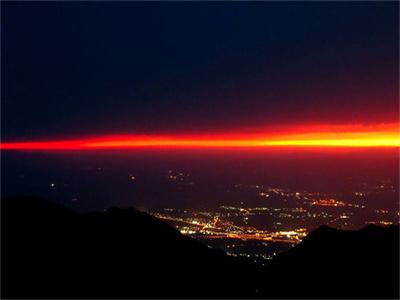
(84,68)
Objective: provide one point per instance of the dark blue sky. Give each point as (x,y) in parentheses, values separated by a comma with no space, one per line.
(83,68)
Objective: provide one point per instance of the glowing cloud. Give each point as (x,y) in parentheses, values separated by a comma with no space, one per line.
(305,136)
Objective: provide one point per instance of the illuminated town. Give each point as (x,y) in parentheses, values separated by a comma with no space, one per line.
(255,219)
(263,231)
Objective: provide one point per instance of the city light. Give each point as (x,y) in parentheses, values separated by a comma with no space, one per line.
(235,228)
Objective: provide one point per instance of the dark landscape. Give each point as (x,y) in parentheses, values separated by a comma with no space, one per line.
(199,149)
(50,251)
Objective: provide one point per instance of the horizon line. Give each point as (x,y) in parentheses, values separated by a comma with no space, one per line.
(318,137)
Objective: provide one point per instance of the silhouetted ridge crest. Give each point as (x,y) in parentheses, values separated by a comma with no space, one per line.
(49,251)
(342,263)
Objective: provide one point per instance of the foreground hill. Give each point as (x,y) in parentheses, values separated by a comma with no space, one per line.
(340,264)
(49,251)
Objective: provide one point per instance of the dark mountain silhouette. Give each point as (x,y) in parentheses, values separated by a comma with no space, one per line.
(339,264)
(48,251)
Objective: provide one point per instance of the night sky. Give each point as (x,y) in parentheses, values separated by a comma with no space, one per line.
(84,68)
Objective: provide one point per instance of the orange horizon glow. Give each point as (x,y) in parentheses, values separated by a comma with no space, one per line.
(305,136)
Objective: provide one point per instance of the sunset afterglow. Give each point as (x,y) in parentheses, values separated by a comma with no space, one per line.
(304,136)
(200,149)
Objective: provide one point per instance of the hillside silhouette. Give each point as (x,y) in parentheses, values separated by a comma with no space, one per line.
(49,251)
(339,264)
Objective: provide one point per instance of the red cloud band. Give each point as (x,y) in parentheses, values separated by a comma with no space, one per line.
(381,135)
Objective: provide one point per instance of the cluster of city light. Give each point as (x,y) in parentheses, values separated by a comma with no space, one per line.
(292,237)
(384,223)
(328,202)
(213,225)
(309,209)
(217,229)
(266,192)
